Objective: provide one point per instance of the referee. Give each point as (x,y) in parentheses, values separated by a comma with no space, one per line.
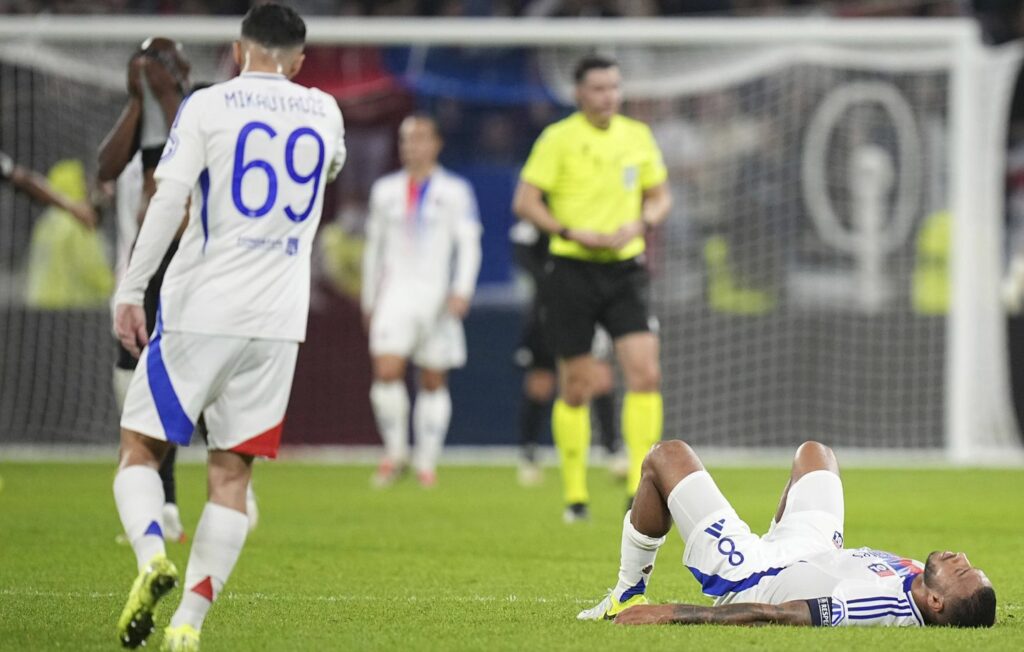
(596,183)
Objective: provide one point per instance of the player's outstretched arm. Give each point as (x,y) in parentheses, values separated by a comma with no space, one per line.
(794,613)
(39,189)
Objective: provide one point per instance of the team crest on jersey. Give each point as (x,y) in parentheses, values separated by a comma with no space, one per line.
(837,539)
(292,247)
(629,176)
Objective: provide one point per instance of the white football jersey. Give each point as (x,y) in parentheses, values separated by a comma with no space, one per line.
(258,151)
(864,587)
(422,240)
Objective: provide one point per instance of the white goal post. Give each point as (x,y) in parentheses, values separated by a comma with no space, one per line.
(681,58)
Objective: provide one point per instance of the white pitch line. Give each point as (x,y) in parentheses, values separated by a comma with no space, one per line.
(270,597)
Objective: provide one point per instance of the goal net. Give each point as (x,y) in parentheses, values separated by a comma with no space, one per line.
(828,270)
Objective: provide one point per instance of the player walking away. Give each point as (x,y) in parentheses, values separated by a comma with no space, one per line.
(37,188)
(530,248)
(796,574)
(254,154)
(420,266)
(158,80)
(595,182)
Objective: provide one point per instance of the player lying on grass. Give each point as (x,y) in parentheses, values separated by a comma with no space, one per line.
(796,574)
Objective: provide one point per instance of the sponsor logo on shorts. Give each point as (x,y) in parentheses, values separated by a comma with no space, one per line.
(837,539)
(715,529)
(292,247)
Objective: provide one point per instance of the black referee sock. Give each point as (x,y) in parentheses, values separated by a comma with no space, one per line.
(604,412)
(167,476)
(532,415)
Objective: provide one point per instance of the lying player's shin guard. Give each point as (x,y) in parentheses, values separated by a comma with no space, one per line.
(570,427)
(219,538)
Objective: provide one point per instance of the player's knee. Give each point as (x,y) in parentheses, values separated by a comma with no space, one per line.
(139,450)
(432,381)
(389,369)
(539,385)
(814,456)
(670,453)
(575,390)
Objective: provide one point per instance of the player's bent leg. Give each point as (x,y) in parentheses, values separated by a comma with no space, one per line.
(812,508)
(218,541)
(570,427)
(390,400)
(139,495)
(642,409)
(431,417)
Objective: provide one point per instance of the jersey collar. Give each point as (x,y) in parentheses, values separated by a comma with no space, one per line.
(263,75)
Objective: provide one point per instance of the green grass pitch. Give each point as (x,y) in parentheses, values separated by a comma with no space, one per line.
(476,564)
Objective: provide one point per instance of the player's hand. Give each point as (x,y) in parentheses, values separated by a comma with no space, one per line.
(162,77)
(645,614)
(136,68)
(84,213)
(130,326)
(458,306)
(625,234)
(590,239)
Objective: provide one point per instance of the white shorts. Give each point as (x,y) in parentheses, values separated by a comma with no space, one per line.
(728,559)
(241,386)
(432,338)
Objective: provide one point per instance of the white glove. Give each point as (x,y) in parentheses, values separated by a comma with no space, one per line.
(1011,289)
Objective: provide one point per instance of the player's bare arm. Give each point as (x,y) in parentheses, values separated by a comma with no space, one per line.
(528,204)
(119,144)
(794,613)
(39,189)
(657,201)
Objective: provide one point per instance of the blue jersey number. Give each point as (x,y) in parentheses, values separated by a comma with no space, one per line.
(243,168)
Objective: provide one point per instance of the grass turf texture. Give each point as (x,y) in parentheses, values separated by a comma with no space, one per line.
(477,564)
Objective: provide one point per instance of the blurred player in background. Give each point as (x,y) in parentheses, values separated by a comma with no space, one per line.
(420,266)
(595,183)
(254,155)
(37,188)
(158,80)
(796,574)
(530,249)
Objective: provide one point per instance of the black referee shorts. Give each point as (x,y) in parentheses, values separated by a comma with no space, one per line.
(581,294)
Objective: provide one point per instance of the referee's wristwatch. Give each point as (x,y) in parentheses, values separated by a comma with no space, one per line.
(563,233)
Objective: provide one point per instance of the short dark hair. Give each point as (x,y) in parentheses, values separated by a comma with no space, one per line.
(976,610)
(274,26)
(592,62)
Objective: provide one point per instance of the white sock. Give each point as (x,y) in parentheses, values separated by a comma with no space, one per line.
(637,561)
(139,496)
(430,419)
(391,408)
(219,538)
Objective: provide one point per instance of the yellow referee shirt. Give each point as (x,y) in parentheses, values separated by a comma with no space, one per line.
(594,179)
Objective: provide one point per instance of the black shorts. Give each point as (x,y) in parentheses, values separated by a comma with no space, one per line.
(150,303)
(581,294)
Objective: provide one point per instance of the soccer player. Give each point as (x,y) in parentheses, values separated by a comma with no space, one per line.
(595,183)
(158,80)
(796,574)
(420,266)
(254,154)
(39,189)
(530,249)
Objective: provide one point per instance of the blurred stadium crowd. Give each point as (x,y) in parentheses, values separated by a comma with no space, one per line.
(995,11)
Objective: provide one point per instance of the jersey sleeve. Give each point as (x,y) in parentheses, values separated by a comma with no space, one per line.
(653,170)
(541,169)
(184,155)
(467,238)
(865,604)
(340,153)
